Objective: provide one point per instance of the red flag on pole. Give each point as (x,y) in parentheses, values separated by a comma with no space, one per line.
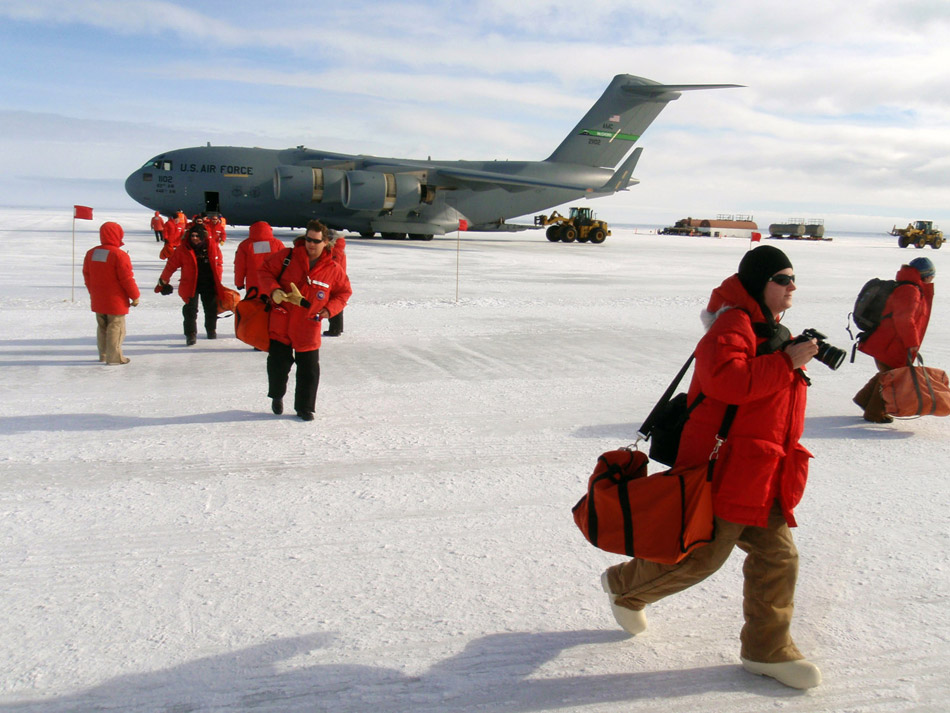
(463,224)
(756,237)
(81,212)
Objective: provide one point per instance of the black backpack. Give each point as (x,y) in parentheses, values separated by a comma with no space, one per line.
(869,306)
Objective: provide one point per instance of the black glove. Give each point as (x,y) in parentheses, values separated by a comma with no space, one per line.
(167,289)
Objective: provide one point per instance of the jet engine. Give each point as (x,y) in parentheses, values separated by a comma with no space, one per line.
(304,184)
(370,190)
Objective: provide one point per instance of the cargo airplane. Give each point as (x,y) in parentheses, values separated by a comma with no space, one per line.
(398,197)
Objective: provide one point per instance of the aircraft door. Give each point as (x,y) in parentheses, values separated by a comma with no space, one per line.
(212,204)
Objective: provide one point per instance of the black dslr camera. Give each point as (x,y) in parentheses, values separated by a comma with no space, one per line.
(829,355)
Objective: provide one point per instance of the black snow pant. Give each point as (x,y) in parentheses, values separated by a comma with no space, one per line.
(280,358)
(335,324)
(209,302)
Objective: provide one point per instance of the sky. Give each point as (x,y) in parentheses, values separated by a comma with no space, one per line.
(843,115)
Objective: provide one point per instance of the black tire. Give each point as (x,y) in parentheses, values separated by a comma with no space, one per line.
(902,241)
(367,233)
(597,236)
(936,243)
(569,234)
(553,233)
(921,242)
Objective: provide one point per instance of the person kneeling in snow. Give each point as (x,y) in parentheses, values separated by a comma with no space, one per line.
(744,359)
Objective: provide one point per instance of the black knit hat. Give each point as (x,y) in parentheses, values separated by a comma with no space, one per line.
(758,265)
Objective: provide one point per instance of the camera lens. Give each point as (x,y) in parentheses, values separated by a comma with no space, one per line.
(830,356)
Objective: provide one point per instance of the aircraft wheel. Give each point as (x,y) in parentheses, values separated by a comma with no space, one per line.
(368,234)
(420,236)
(394,236)
(597,236)
(553,233)
(902,241)
(921,242)
(937,243)
(569,234)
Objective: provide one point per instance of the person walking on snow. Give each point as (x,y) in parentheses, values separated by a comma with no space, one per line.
(305,285)
(107,272)
(898,337)
(157,225)
(251,253)
(745,359)
(199,259)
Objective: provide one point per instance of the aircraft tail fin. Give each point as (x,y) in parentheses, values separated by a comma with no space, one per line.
(618,119)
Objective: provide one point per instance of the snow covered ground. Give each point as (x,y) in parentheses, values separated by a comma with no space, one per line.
(167,544)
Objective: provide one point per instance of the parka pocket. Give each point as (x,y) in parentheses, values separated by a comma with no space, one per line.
(746,471)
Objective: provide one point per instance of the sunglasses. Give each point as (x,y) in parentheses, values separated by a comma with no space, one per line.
(783,280)
(312,240)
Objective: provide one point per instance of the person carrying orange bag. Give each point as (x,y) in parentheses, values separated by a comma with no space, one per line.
(748,360)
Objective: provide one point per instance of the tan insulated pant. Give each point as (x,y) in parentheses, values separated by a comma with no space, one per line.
(870,398)
(770,569)
(109,337)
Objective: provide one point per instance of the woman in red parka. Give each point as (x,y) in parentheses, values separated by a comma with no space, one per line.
(898,337)
(107,272)
(199,259)
(306,285)
(746,358)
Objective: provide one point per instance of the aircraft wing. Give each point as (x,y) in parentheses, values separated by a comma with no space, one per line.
(507,181)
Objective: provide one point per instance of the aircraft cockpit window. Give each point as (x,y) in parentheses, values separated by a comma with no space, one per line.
(160,165)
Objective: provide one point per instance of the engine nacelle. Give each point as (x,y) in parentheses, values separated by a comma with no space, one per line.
(304,184)
(370,190)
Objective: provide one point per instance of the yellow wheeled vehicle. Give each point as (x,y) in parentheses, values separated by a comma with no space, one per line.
(919,235)
(580,225)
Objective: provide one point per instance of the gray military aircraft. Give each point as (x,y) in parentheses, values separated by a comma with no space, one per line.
(400,197)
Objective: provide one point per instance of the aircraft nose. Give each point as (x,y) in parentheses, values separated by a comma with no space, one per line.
(133,185)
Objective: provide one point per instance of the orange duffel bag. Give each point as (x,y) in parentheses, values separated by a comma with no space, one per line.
(660,517)
(252,321)
(915,391)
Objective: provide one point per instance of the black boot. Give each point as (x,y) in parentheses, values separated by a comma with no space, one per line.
(277,406)
(190,339)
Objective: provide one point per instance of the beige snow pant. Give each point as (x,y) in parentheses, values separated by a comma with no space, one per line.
(109,337)
(770,569)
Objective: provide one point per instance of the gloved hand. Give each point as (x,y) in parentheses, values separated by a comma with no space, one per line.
(167,289)
(294,297)
(278,296)
(159,285)
(135,302)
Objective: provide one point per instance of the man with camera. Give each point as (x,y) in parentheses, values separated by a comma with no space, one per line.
(746,359)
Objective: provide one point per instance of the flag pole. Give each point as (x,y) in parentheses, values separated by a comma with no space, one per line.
(72,293)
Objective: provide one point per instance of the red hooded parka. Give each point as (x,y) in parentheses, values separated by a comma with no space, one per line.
(184,258)
(251,253)
(325,285)
(761,460)
(107,272)
(905,319)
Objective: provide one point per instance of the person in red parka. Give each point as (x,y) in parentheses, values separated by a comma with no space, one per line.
(157,225)
(251,253)
(338,252)
(216,229)
(746,359)
(171,234)
(311,287)
(199,259)
(898,337)
(107,272)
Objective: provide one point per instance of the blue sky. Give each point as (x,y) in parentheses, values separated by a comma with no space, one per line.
(844,115)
